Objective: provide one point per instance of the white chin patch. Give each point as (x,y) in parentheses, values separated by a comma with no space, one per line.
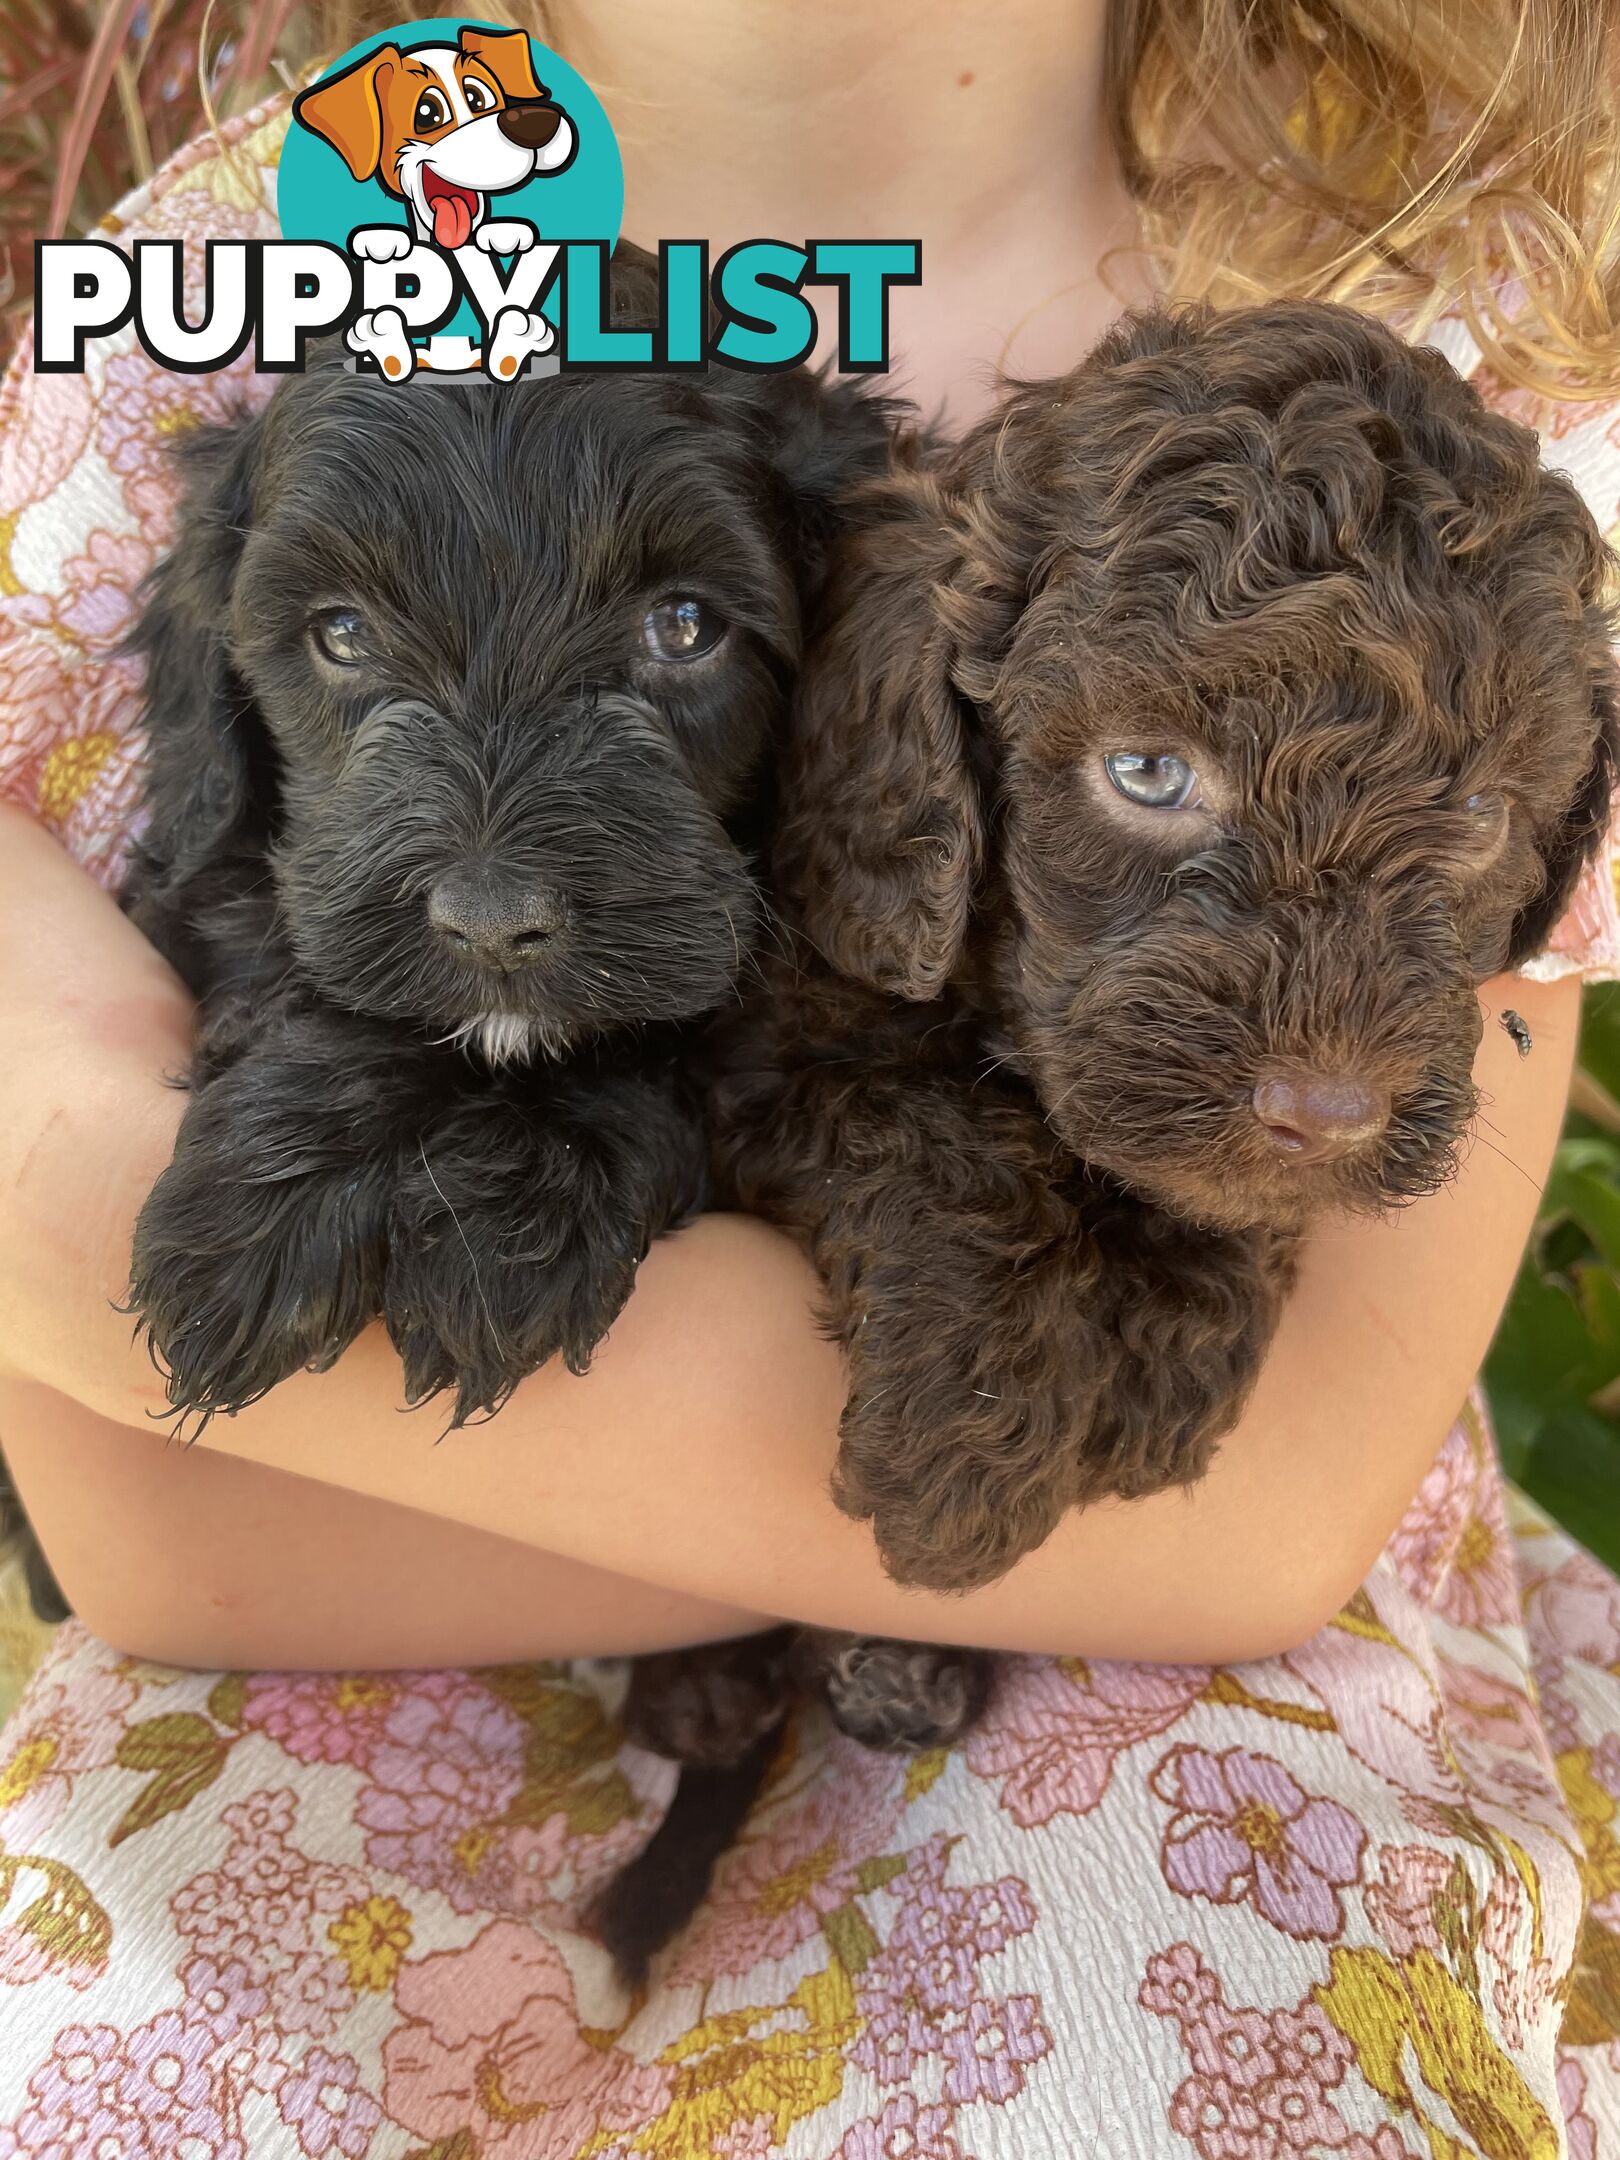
(511,1038)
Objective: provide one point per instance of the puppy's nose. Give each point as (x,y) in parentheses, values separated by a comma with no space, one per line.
(530,123)
(1314,1117)
(497,923)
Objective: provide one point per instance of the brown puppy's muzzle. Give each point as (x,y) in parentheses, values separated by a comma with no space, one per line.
(530,123)
(1312,1117)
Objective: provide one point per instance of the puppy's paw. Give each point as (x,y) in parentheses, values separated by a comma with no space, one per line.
(381,243)
(505,236)
(897,1696)
(382,336)
(517,337)
(250,1262)
(958,1475)
(512,1241)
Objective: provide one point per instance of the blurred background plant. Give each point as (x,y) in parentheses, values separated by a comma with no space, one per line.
(95,93)
(1553,1375)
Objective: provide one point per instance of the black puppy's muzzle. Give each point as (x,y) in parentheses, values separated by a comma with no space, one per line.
(558,866)
(493,919)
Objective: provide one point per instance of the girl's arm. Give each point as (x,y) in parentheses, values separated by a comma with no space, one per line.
(695,1455)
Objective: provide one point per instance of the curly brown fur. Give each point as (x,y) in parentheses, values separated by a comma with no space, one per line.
(458,894)
(1015,1118)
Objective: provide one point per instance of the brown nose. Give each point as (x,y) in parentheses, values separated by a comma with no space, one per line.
(531,123)
(1315,1116)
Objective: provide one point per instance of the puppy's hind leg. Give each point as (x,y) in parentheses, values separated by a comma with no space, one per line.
(717,1710)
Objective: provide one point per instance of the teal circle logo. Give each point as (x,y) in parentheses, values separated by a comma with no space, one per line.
(459,135)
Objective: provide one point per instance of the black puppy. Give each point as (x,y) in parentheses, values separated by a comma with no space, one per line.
(459,704)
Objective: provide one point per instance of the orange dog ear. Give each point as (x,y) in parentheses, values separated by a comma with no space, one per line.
(346,111)
(506,54)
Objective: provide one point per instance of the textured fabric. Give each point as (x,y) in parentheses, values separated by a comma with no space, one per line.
(1362,1901)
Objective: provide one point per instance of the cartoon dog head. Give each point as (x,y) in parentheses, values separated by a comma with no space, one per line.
(443,127)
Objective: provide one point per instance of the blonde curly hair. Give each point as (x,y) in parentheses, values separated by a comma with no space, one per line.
(1410,157)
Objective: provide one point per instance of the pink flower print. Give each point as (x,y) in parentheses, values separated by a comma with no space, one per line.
(223,1993)
(323,2102)
(1242,1828)
(1308,2047)
(67,731)
(1221,2121)
(1059,1725)
(263,1818)
(906,2130)
(1481,1587)
(1582,2131)
(44,425)
(144,410)
(62,1731)
(330,1717)
(752,2139)
(165,2083)
(1384,2144)
(797,1858)
(1400,1904)
(81,2073)
(1575,1613)
(1179,1985)
(1483,1708)
(491,2043)
(1427,1535)
(99,600)
(444,1773)
(1232,2044)
(987,2051)
(312,1993)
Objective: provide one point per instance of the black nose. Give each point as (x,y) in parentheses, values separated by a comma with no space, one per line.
(495,921)
(1316,1116)
(531,123)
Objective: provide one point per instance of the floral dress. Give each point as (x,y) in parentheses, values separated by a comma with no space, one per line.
(1362,1901)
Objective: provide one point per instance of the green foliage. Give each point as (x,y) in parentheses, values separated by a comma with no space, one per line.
(1553,1374)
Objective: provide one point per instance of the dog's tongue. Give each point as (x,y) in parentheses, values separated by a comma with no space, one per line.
(452,220)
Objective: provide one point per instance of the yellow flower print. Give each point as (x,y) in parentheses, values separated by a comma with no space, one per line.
(371,1938)
(27,1767)
(730,2070)
(1397,2011)
(69,771)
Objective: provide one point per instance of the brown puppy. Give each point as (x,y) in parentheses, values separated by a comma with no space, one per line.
(1177,756)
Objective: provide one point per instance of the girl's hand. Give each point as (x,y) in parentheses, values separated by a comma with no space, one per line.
(94,1023)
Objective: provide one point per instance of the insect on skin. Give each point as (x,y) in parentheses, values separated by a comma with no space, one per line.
(1517,1029)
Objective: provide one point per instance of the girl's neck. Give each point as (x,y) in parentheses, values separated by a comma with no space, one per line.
(977,129)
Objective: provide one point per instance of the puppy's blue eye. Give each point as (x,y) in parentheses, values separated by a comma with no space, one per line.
(681,628)
(1157,782)
(339,636)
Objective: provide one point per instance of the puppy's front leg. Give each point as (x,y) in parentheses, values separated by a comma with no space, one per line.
(260,1250)
(521,1217)
(1017,1344)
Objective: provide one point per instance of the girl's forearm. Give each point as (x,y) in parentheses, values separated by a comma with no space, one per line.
(696,1453)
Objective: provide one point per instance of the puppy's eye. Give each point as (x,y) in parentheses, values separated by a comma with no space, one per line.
(478,98)
(1157,782)
(339,636)
(431,112)
(681,628)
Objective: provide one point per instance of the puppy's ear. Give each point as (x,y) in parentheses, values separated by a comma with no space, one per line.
(346,110)
(509,58)
(209,757)
(1567,850)
(884,834)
